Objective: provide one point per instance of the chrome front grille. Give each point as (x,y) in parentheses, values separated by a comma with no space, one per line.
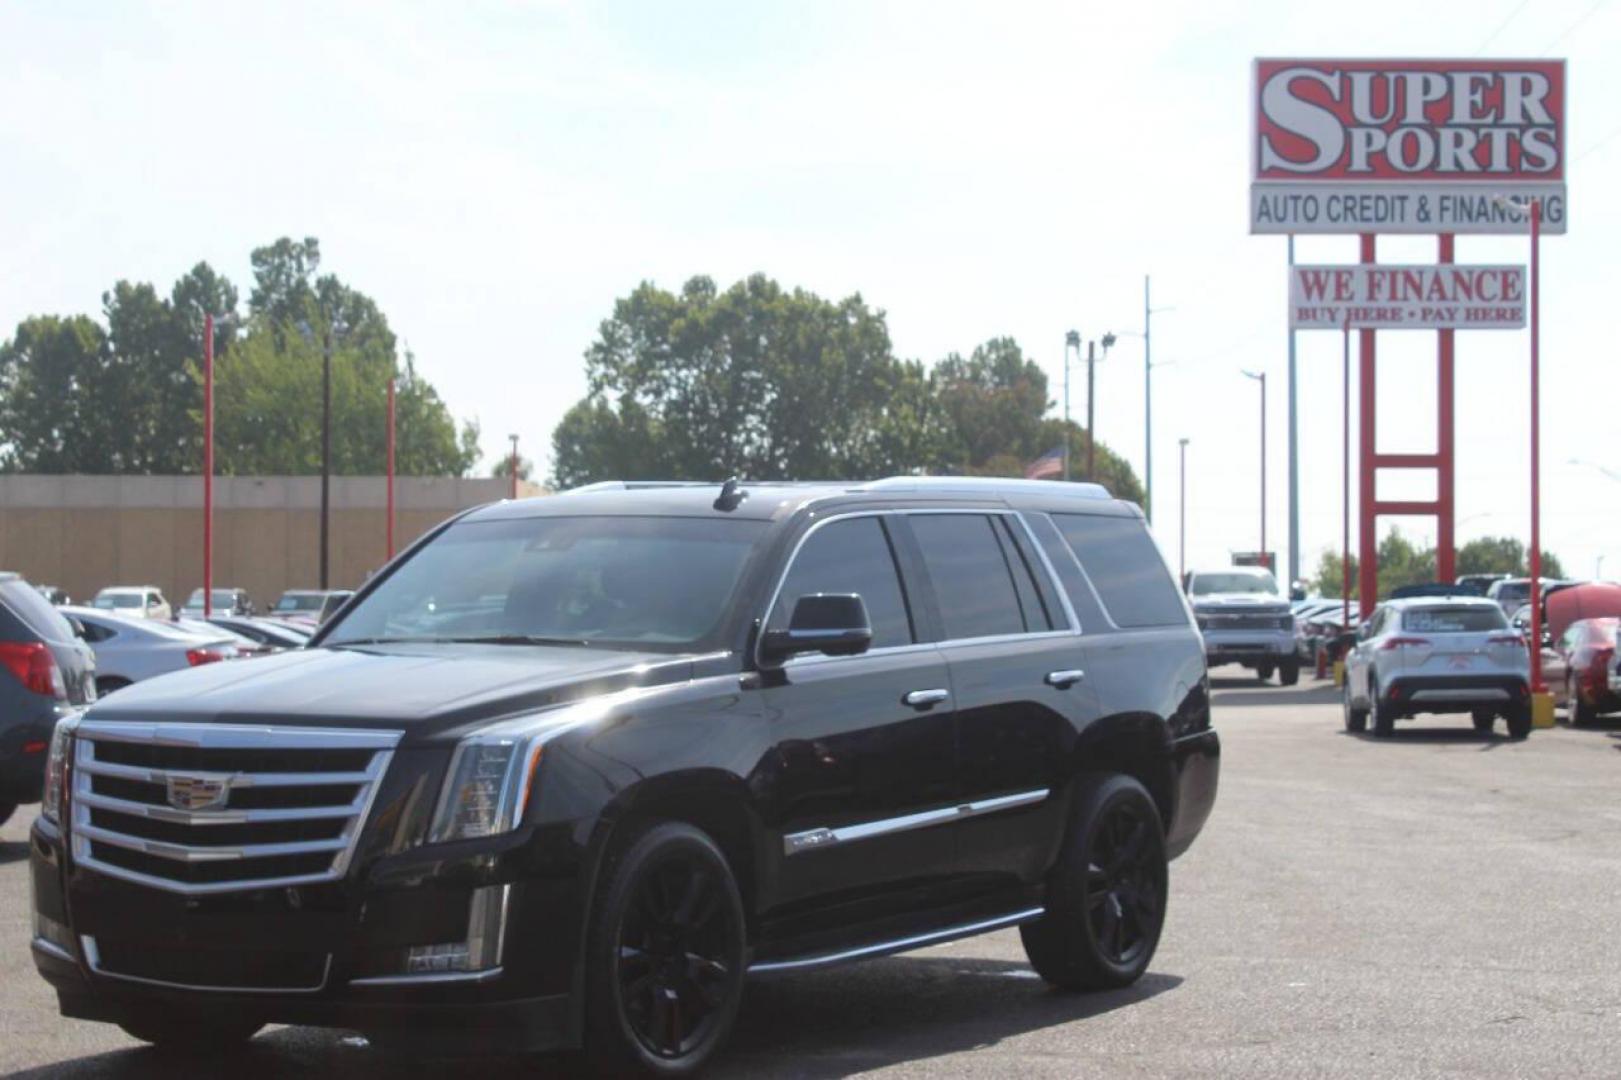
(210,808)
(1242,622)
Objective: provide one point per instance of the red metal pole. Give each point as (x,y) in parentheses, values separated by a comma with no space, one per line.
(1537,684)
(1345,483)
(390,527)
(208,466)
(1446,549)
(1368,540)
(1266,560)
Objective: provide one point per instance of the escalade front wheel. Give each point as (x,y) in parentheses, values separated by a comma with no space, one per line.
(665,956)
(1106,896)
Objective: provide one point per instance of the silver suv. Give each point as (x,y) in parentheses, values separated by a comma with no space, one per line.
(1427,655)
(1245,620)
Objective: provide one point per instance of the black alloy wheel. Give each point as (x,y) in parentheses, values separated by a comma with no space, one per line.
(1106,895)
(668,955)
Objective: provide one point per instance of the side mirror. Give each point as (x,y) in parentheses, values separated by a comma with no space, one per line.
(831,623)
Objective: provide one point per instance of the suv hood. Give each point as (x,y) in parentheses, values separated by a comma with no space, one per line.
(426,690)
(1239,602)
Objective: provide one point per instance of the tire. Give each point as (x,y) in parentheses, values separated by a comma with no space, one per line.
(1106,895)
(1384,721)
(1264,672)
(192,1035)
(1519,721)
(109,684)
(1289,673)
(1356,720)
(6,810)
(1483,720)
(648,1013)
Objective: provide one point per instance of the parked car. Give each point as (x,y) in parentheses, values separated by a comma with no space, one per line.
(1591,675)
(1427,655)
(1245,620)
(575,766)
(270,633)
(46,673)
(129,650)
(1480,584)
(134,601)
(54,595)
(224,602)
(310,606)
(1510,593)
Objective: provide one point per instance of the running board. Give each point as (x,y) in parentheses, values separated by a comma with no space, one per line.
(886,948)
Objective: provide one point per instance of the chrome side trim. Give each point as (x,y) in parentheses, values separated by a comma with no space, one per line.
(810,839)
(884,948)
(92,957)
(51,948)
(429,978)
(1053,579)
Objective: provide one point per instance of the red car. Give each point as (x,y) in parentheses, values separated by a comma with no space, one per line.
(1592,675)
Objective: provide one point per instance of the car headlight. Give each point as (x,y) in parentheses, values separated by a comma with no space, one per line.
(486,787)
(56,768)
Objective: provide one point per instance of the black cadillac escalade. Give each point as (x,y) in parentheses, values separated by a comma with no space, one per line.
(571,769)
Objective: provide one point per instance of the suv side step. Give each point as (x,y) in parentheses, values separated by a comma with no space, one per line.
(885,948)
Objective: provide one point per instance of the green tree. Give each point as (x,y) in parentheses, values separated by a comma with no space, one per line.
(1329,577)
(53,410)
(503,467)
(995,400)
(1403,563)
(1503,555)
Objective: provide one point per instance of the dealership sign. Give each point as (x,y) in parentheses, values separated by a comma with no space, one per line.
(1406,146)
(1376,296)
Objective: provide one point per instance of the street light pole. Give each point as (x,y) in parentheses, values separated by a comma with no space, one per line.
(1072,339)
(1261,378)
(1294,451)
(1148,408)
(326,447)
(513,465)
(389,528)
(1182,514)
(208,465)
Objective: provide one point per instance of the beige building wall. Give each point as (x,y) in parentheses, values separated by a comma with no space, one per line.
(86,532)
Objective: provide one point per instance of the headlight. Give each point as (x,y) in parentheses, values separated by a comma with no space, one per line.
(486,787)
(56,767)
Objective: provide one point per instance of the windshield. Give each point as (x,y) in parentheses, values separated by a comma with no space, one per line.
(1257,584)
(299,602)
(647,583)
(112,601)
(1454,620)
(222,598)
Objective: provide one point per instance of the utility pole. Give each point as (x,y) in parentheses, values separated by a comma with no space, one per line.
(513,463)
(1091,439)
(389,528)
(326,446)
(1182,515)
(1071,339)
(1148,409)
(1294,450)
(1261,378)
(208,465)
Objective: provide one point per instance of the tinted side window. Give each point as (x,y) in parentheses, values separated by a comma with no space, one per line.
(1125,568)
(1032,600)
(33,611)
(969,570)
(850,557)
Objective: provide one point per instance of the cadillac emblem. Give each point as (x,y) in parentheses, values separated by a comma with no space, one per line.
(197,793)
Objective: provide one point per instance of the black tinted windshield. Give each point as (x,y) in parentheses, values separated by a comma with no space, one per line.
(649,583)
(1211,584)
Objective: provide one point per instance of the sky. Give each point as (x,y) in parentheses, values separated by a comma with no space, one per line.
(496,174)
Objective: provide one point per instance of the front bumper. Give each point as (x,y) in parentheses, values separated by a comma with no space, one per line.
(1248,646)
(527,1004)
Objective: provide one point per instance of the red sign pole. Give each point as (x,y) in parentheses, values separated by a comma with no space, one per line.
(208,466)
(1345,482)
(1537,685)
(390,527)
(1368,540)
(1446,550)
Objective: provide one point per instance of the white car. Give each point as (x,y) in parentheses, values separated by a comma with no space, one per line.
(131,649)
(1431,654)
(133,601)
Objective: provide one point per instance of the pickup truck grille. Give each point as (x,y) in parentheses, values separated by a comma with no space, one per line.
(1242,622)
(210,808)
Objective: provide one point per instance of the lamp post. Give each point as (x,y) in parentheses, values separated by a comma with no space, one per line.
(389,528)
(1260,376)
(1182,513)
(208,465)
(1091,438)
(308,334)
(513,466)
(1072,340)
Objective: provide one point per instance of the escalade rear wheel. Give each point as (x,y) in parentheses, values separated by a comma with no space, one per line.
(1106,895)
(664,966)
(181,1033)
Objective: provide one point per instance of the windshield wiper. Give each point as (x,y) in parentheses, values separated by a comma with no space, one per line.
(509,639)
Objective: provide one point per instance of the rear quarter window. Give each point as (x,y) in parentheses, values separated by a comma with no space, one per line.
(1125,568)
(33,612)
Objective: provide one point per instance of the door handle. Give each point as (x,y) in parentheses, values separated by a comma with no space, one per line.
(1067,677)
(924,699)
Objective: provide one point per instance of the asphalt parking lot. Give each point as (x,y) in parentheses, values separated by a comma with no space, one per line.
(1433,904)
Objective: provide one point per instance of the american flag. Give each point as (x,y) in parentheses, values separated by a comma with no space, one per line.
(1049,466)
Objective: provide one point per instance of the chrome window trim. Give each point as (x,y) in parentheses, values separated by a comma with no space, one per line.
(92,958)
(816,839)
(82,800)
(899,944)
(1074,629)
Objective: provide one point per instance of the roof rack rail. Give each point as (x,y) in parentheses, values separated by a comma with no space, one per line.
(988,483)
